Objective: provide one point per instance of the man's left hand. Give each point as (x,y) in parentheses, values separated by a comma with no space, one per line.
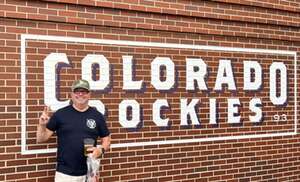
(96,152)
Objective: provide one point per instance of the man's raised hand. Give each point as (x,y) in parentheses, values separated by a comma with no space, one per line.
(44,118)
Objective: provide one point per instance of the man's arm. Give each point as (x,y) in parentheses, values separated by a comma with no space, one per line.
(106,142)
(105,145)
(43,133)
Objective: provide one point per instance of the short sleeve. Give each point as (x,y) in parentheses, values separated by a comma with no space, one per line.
(102,127)
(52,124)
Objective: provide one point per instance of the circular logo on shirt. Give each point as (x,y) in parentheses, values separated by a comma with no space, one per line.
(91,123)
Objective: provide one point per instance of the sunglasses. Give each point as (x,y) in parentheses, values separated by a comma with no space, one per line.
(81,91)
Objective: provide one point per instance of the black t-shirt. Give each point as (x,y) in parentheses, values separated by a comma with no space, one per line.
(72,127)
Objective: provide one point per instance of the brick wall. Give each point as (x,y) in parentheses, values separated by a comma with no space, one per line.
(264,151)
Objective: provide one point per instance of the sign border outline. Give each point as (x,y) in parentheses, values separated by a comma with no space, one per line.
(25,37)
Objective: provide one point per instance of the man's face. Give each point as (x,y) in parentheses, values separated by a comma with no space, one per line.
(80,96)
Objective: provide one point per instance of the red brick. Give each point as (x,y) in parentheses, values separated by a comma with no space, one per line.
(264,25)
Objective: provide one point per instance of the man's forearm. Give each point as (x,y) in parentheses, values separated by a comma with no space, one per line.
(42,133)
(106,143)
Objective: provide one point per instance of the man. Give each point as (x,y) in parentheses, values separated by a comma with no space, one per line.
(72,125)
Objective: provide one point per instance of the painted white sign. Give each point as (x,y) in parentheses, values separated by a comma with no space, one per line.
(196,72)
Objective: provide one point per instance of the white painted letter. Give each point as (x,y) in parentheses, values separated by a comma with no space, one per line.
(128,83)
(254,106)
(157,105)
(192,75)
(98,105)
(135,109)
(280,100)
(233,110)
(256,83)
(212,111)
(87,74)
(50,63)
(188,110)
(225,68)
(155,73)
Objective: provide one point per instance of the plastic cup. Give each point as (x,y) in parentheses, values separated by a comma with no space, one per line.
(88,143)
